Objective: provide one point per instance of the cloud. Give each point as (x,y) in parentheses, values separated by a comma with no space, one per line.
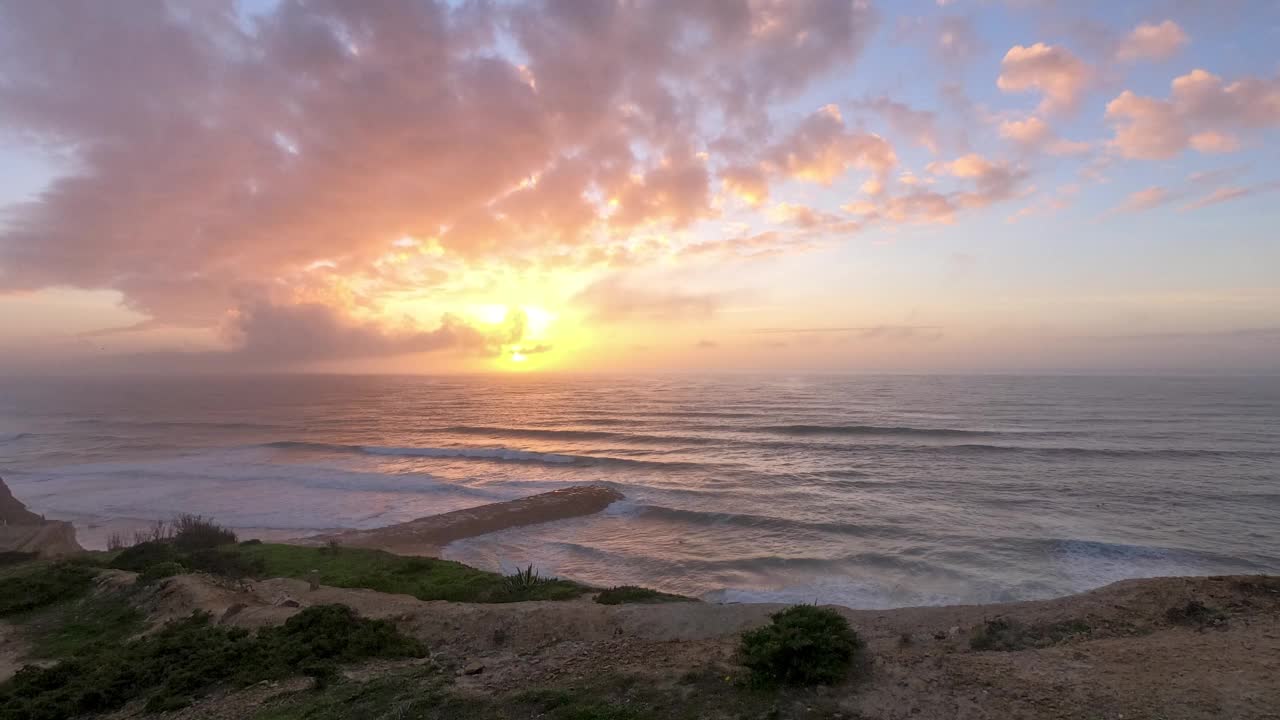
(751,184)
(1228,193)
(821,150)
(872,332)
(616,298)
(1033,133)
(211,156)
(1203,113)
(271,334)
(1058,75)
(920,126)
(1150,41)
(992,182)
(706,345)
(1141,200)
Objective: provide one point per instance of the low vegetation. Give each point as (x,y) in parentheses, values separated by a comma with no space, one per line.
(1002,634)
(37,585)
(803,645)
(15,557)
(69,628)
(426,693)
(1197,614)
(423,578)
(630,594)
(186,658)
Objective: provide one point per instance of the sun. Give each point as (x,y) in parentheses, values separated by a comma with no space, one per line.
(541,337)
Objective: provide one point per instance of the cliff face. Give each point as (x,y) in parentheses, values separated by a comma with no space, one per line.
(13,512)
(24,531)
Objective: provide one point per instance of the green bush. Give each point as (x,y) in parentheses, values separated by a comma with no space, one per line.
(196,532)
(145,554)
(189,657)
(628,594)
(44,585)
(160,571)
(803,645)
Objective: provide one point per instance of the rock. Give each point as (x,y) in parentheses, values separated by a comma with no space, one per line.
(473,669)
(289,602)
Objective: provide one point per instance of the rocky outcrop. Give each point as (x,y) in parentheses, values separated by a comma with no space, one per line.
(425,536)
(24,531)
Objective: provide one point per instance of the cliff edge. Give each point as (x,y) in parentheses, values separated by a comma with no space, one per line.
(24,531)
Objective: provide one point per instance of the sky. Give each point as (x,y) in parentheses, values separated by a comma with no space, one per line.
(413,186)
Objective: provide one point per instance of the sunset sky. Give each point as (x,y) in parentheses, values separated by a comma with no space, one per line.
(579,185)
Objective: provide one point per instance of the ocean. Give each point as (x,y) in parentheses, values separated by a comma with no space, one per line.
(866,491)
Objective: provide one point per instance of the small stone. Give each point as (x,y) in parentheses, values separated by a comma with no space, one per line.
(473,669)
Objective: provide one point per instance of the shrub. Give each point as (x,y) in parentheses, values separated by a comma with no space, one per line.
(627,594)
(160,571)
(43,585)
(803,645)
(196,532)
(188,657)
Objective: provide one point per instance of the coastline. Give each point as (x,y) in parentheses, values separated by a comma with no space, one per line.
(1172,647)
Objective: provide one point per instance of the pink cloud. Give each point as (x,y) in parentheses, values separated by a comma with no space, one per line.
(1202,113)
(1150,41)
(1059,76)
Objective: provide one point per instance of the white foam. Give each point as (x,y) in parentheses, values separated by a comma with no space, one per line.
(489,453)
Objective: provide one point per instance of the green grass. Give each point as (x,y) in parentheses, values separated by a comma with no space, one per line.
(423,578)
(630,594)
(187,658)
